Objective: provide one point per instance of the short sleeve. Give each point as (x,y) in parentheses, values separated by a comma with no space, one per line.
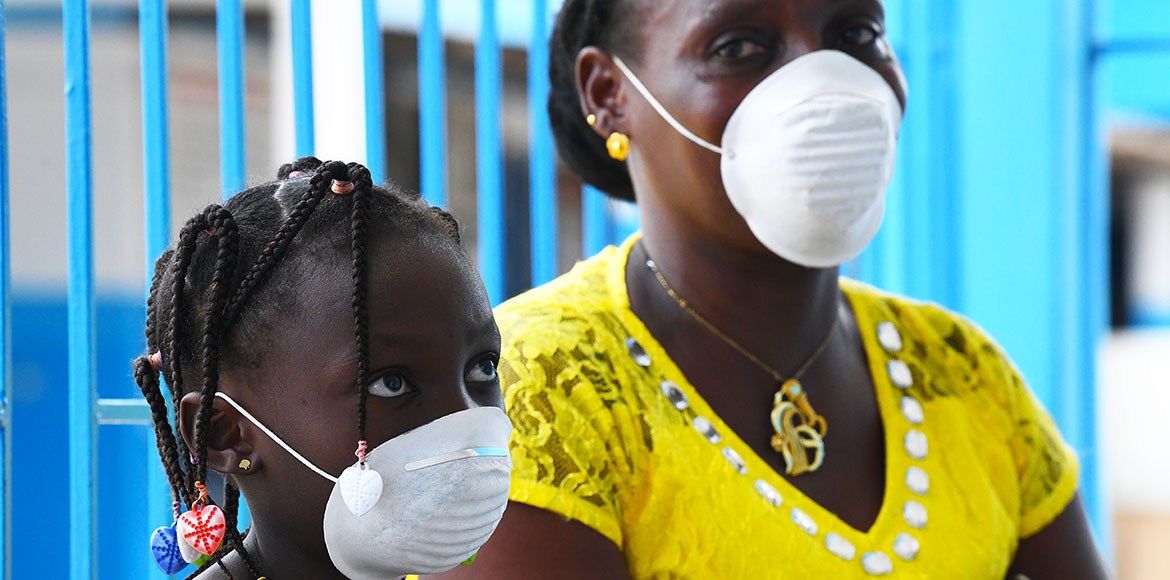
(1047,467)
(562,438)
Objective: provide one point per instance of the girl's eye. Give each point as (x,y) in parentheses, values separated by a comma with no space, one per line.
(389,386)
(483,372)
(860,36)
(738,48)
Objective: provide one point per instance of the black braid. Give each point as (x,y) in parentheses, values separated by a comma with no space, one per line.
(147,378)
(223,229)
(360,176)
(180,264)
(583,23)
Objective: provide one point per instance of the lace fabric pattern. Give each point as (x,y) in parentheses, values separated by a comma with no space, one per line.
(595,440)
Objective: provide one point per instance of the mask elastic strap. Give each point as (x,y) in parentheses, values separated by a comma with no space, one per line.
(662,110)
(278,440)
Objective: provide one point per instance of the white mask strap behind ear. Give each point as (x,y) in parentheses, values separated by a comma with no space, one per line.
(662,110)
(278,440)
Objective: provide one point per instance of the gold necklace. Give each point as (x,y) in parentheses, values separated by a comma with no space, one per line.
(800,430)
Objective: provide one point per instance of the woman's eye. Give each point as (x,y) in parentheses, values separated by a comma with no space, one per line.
(389,386)
(860,36)
(483,372)
(739,48)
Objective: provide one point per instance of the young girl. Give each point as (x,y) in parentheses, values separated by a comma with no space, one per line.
(302,320)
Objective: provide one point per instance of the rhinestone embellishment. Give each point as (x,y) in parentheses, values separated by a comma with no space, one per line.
(769,493)
(906,547)
(900,374)
(917,480)
(840,546)
(707,430)
(915,514)
(804,522)
(675,394)
(877,564)
(735,460)
(637,353)
(916,444)
(912,410)
(889,337)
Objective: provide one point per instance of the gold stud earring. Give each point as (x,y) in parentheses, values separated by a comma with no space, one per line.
(618,145)
(245,464)
(591,119)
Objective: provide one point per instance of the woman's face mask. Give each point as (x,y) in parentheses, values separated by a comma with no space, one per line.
(423,503)
(807,156)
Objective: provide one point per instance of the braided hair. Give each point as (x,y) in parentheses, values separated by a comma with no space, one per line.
(233,269)
(580,24)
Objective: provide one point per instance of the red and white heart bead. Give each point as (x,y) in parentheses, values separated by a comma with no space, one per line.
(203,528)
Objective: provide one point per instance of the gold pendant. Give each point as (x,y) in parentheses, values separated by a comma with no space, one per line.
(800,431)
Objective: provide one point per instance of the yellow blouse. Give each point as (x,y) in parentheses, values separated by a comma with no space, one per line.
(608,432)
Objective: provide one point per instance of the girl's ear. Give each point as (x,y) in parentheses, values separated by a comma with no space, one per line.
(229,448)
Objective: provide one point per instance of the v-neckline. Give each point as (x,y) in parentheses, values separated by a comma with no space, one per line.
(883,393)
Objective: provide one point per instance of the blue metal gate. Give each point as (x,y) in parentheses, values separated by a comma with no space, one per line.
(1014,236)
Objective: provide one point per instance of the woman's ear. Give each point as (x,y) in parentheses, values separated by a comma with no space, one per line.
(229,448)
(602,89)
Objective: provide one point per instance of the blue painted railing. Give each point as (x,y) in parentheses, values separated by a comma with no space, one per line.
(432,105)
(925,250)
(79,201)
(152,33)
(5,325)
(302,65)
(229,34)
(542,184)
(375,91)
(489,152)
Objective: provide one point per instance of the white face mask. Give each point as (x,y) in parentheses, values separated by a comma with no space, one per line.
(807,156)
(424,502)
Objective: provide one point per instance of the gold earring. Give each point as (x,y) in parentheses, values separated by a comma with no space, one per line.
(618,145)
(245,464)
(591,119)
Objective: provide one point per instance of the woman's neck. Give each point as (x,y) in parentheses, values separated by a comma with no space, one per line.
(774,308)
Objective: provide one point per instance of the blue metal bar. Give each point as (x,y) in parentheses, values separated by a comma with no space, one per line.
(595,228)
(1087,172)
(152,27)
(229,34)
(488,156)
(432,105)
(375,92)
(542,179)
(5,325)
(302,69)
(79,201)
(1131,45)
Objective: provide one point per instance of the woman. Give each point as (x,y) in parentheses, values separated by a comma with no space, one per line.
(711,400)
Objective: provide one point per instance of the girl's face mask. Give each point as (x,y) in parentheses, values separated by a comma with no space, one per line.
(807,156)
(423,503)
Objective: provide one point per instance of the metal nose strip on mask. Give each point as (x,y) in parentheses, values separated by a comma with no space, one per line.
(278,440)
(453,455)
(662,110)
